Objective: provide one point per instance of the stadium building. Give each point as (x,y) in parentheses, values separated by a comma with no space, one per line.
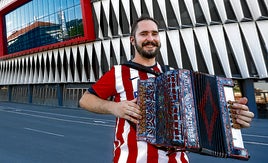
(52,50)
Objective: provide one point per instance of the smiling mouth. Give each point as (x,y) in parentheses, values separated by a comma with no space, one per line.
(150,44)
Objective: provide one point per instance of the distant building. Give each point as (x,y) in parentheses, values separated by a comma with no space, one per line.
(25,38)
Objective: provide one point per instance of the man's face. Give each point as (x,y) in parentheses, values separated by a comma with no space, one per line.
(146,39)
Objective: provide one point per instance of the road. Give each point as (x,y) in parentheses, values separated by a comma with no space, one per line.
(41,134)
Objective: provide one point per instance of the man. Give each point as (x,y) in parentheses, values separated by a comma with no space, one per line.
(121,83)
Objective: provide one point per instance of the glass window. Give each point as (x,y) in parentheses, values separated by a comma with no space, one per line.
(43,22)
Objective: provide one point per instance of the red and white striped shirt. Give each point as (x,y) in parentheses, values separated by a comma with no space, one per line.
(121,83)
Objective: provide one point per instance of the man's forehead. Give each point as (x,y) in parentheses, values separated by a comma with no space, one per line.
(147,25)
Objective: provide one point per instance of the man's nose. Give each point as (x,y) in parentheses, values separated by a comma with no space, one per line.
(150,37)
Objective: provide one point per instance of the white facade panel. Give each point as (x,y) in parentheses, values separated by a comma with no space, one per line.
(188,38)
(174,35)
(235,38)
(217,34)
(203,40)
(82,62)
(253,42)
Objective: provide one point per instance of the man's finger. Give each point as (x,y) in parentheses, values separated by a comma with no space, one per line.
(242,100)
(243,123)
(239,106)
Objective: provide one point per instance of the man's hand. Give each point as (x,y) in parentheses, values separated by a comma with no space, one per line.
(128,110)
(125,109)
(242,115)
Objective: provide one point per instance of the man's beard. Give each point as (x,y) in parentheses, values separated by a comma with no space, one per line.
(148,54)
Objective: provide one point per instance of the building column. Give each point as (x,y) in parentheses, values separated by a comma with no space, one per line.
(88,20)
(60,94)
(30,93)
(2,36)
(9,93)
(247,90)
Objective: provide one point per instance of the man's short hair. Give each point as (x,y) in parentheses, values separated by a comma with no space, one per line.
(135,23)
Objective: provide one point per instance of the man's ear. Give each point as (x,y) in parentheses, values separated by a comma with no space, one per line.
(132,40)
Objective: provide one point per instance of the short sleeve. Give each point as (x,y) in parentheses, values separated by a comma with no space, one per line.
(105,86)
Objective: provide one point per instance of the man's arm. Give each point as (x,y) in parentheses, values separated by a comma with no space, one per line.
(126,109)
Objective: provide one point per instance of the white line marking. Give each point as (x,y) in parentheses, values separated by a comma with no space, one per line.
(70,116)
(44,132)
(59,119)
(96,121)
(258,136)
(62,115)
(255,143)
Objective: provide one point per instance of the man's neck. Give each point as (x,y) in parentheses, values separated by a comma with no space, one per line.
(144,61)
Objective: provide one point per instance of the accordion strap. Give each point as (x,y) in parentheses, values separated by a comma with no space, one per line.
(140,67)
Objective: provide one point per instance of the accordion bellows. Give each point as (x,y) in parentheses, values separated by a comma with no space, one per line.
(188,111)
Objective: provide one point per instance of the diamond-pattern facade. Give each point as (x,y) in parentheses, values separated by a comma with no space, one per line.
(212,35)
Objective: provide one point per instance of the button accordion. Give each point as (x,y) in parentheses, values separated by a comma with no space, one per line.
(189,111)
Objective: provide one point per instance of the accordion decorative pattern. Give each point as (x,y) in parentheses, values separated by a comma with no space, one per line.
(187,110)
